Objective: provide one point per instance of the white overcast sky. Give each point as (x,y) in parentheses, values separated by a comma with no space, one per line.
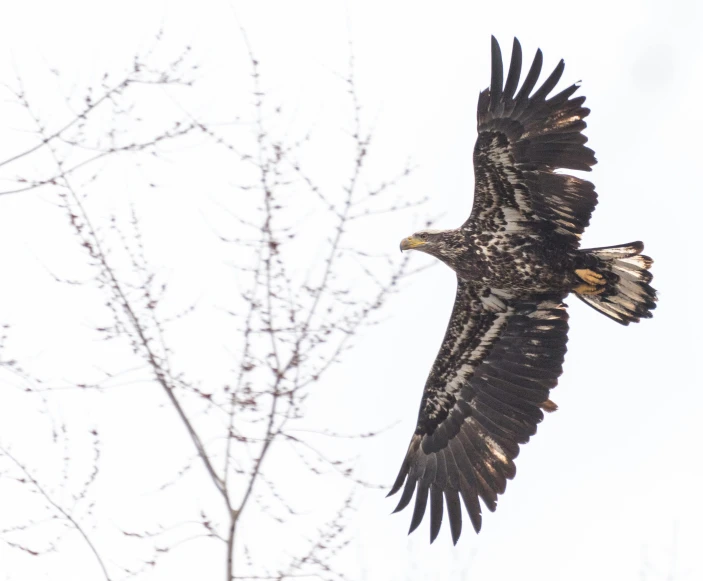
(610,486)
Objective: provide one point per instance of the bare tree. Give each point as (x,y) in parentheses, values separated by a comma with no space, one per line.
(291,319)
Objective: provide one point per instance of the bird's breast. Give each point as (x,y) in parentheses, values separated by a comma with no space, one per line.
(513,263)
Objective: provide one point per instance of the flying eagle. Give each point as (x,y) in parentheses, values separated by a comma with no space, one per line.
(516,258)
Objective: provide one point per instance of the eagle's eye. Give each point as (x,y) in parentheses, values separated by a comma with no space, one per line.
(422,236)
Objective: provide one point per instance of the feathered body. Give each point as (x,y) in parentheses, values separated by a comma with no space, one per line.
(516,258)
(513,261)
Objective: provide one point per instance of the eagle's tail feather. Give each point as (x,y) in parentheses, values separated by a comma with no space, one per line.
(626,296)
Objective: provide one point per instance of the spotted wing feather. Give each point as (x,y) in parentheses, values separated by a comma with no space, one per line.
(483,397)
(522,139)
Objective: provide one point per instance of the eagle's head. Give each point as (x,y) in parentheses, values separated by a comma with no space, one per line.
(447,245)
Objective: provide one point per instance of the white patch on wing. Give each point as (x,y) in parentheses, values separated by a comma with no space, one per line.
(491,334)
(493,304)
(496,449)
(638,261)
(460,338)
(476,355)
(552,126)
(490,443)
(521,200)
(503,294)
(513,220)
(502,160)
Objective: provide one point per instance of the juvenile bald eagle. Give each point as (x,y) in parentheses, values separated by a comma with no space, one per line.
(516,258)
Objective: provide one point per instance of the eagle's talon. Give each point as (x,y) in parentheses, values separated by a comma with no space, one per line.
(589,276)
(588,289)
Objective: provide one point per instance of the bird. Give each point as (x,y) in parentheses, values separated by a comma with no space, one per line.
(516,259)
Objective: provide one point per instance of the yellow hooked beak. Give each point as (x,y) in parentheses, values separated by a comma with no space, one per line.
(411,242)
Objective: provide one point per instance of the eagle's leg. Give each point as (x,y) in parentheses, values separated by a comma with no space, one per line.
(588,289)
(589,276)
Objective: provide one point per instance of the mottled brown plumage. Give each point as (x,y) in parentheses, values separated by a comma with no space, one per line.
(516,258)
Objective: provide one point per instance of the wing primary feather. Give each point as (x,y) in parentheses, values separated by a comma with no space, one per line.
(550,83)
(404,469)
(485,485)
(496,73)
(468,485)
(436,511)
(491,481)
(514,72)
(430,471)
(452,469)
(470,498)
(420,505)
(563,96)
(462,460)
(407,495)
(531,78)
(440,478)
(454,513)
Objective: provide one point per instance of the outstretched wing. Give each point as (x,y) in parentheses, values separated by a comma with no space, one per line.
(484,397)
(522,139)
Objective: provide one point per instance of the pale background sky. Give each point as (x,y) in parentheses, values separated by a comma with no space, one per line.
(609,487)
